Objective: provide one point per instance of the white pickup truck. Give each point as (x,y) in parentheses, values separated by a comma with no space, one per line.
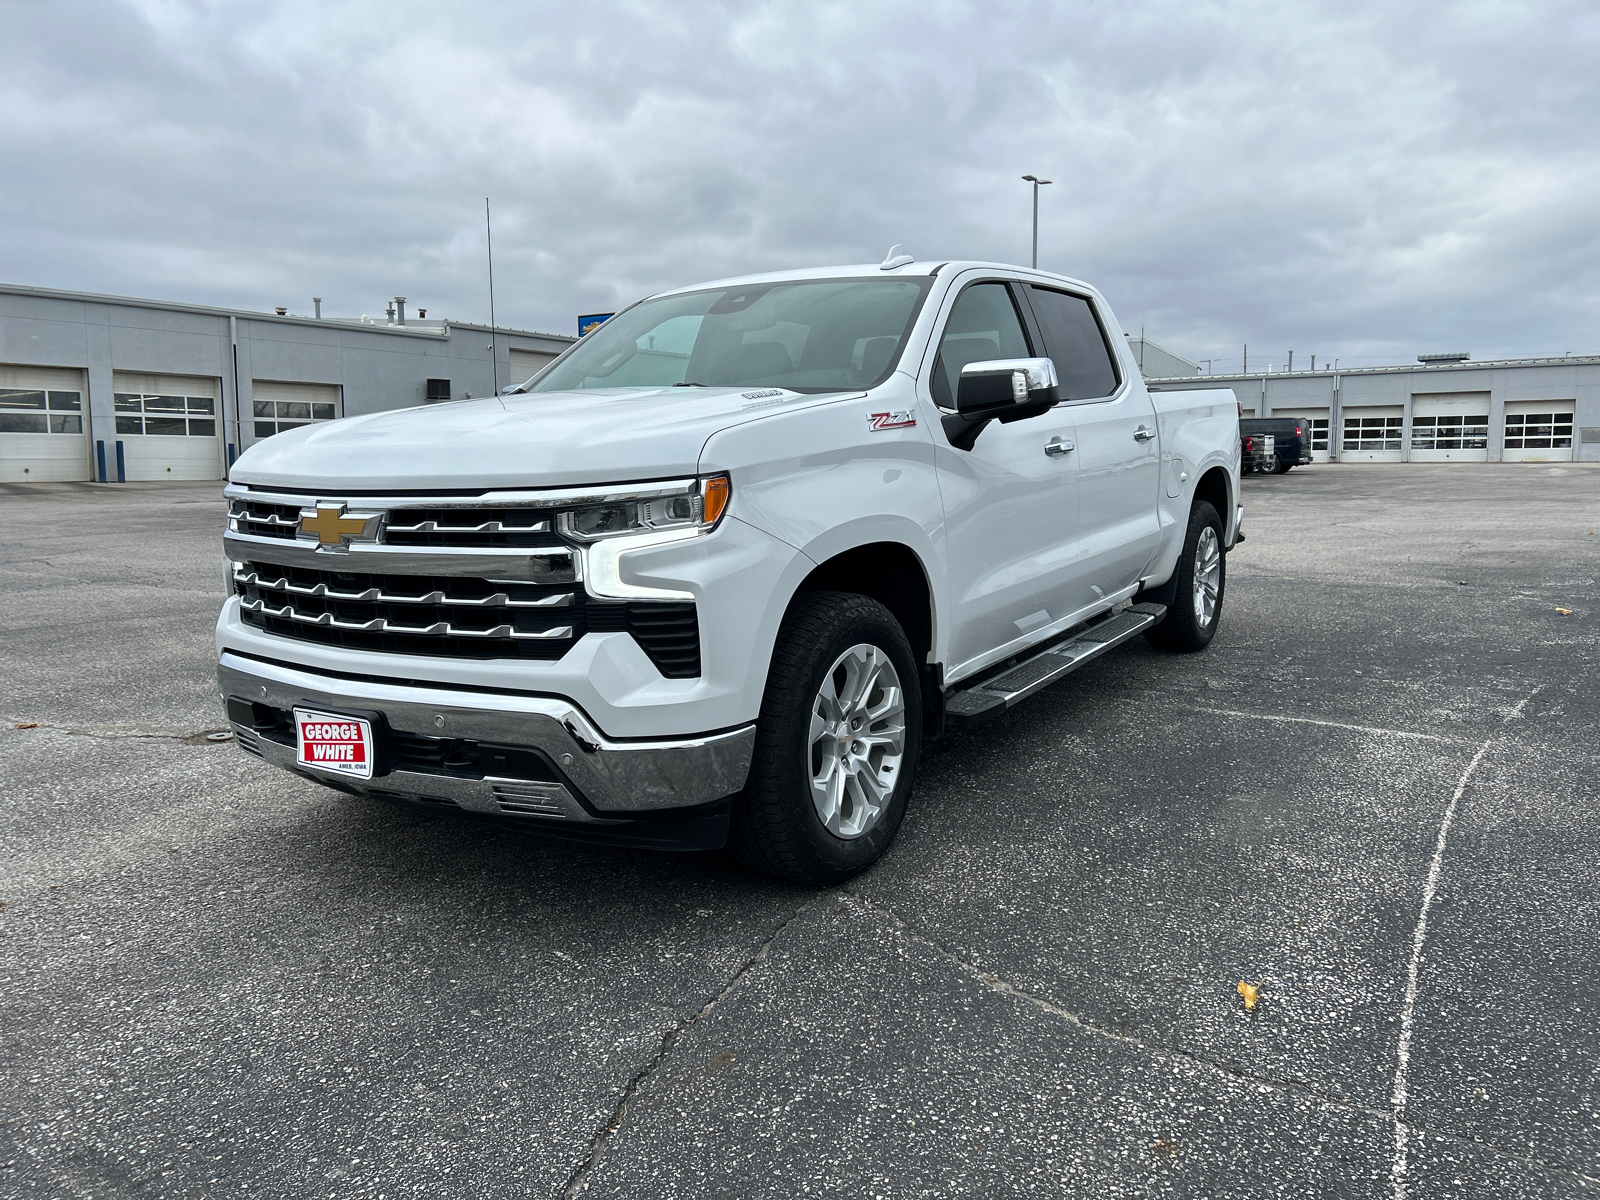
(715,573)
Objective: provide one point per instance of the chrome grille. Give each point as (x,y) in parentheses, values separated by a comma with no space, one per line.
(288,612)
(469,527)
(508,519)
(260,519)
(281,582)
(450,576)
(452,616)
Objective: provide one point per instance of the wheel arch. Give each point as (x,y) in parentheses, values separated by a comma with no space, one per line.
(1214,488)
(894,575)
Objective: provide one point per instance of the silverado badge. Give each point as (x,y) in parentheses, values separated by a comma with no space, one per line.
(900,418)
(330,525)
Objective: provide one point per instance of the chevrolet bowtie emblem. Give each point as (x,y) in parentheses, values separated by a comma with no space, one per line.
(332,527)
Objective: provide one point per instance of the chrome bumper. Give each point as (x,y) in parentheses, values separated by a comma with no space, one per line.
(619,780)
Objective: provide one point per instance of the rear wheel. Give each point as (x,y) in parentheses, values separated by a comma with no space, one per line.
(1201,579)
(836,744)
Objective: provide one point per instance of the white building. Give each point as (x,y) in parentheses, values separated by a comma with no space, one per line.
(1445,409)
(109,388)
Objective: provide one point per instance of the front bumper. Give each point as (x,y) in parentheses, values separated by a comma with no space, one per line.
(583,784)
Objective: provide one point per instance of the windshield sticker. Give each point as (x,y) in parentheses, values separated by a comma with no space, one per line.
(899,419)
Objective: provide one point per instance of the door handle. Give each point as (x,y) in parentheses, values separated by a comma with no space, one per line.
(1143,434)
(1059,447)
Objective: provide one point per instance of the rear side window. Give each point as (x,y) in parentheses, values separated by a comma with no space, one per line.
(1076,343)
(983,326)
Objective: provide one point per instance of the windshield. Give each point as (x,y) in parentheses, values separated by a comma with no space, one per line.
(808,336)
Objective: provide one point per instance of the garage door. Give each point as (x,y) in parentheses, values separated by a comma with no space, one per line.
(1372,433)
(168,426)
(41,425)
(1450,427)
(1538,431)
(525,364)
(277,407)
(1317,419)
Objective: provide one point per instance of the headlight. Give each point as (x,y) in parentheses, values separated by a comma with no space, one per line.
(698,507)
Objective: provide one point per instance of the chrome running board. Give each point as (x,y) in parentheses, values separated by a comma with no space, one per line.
(993,696)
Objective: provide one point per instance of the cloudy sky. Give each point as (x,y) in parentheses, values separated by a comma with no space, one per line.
(1362,181)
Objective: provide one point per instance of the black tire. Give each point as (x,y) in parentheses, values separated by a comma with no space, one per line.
(776,828)
(1183,631)
(1276,467)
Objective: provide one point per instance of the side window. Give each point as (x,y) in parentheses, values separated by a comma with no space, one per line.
(1076,342)
(983,325)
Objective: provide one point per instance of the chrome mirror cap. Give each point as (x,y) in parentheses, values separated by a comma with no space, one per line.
(1027,374)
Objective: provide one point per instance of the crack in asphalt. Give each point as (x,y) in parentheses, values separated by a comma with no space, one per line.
(189,737)
(996,984)
(578,1181)
(1005,988)
(1404,733)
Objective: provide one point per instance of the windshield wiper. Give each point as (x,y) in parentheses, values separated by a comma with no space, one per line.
(691,385)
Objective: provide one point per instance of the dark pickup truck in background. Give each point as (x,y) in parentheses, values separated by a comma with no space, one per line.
(1292,436)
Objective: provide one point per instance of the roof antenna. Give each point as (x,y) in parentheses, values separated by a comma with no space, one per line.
(892,260)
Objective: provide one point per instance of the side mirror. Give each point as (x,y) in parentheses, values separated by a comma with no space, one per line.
(986,387)
(1002,389)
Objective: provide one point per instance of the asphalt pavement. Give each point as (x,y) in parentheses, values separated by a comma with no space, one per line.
(1375,799)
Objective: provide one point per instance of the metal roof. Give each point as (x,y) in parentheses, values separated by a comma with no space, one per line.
(1403,369)
(212,310)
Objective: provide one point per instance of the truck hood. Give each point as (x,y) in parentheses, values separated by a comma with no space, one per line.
(546,439)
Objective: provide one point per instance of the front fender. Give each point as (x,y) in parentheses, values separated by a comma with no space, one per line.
(824,481)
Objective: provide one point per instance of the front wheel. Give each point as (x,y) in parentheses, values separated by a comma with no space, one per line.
(836,744)
(1201,579)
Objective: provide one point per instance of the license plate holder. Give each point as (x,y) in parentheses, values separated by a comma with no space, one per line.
(337,743)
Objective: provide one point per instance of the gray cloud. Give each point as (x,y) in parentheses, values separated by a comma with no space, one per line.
(1351,180)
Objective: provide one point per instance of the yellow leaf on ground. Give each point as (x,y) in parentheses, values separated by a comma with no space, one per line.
(1249,991)
(1565,612)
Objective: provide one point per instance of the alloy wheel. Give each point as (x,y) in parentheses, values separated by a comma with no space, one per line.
(857,741)
(1207,575)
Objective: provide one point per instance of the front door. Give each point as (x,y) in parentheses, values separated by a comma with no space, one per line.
(1117,455)
(1010,502)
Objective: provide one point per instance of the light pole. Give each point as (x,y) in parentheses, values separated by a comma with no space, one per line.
(1037,184)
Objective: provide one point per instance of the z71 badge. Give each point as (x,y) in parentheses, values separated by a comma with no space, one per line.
(899,419)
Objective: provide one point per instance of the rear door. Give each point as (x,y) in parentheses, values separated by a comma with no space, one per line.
(1117,455)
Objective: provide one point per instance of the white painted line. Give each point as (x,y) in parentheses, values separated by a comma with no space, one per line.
(1408,1010)
(1405,733)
